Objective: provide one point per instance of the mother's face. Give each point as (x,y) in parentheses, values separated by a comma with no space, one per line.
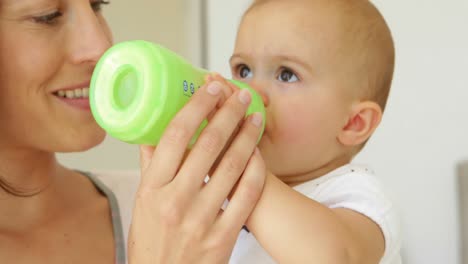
(48,50)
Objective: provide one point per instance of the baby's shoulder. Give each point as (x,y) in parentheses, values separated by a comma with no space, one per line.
(355,187)
(350,178)
(350,186)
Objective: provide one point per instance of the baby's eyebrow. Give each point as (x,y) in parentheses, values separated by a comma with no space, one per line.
(276,57)
(236,56)
(294,59)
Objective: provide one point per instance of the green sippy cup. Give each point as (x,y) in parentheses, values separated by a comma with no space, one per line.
(138,87)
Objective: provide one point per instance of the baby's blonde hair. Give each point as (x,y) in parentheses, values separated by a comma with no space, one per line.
(368,42)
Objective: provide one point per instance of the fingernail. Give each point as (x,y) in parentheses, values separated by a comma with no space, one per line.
(214,88)
(244,97)
(257,119)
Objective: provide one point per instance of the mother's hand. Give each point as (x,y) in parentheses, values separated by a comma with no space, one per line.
(177,217)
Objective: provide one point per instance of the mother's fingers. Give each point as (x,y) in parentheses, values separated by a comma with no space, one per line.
(232,165)
(245,196)
(171,148)
(146,154)
(218,77)
(212,141)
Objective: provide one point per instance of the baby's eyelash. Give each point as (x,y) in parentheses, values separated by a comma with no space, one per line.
(284,69)
(235,68)
(239,68)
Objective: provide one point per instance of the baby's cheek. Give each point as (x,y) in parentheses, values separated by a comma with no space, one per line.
(292,128)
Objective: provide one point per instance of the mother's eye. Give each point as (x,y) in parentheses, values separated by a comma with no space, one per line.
(48,19)
(97,5)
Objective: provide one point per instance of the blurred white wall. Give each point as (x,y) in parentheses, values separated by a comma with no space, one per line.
(174,24)
(425,129)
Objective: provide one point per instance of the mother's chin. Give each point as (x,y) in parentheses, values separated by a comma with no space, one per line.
(82,141)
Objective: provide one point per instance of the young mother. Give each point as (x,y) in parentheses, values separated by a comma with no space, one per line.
(52,214)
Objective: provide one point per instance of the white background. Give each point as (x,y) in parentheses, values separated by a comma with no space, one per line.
(425,128)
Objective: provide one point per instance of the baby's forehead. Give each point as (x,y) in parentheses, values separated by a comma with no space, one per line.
(349,22)
(306,17)
(306,12)
(299,21)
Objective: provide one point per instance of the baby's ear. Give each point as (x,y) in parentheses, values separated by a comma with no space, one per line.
(362,122)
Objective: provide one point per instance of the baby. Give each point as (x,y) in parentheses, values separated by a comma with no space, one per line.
(325,69)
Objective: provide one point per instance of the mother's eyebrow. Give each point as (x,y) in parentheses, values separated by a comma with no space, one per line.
(20,6)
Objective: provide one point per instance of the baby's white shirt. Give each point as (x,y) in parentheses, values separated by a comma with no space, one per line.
(352,187)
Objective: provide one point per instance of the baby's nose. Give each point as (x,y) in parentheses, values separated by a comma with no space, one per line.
(262,91)
(266,100)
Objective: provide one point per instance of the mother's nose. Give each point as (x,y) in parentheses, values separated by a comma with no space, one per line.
(89,38)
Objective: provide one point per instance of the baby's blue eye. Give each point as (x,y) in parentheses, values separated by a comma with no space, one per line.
(245,72)
(287,75)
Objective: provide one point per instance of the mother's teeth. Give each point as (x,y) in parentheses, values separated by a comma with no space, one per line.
(74,94)
(70,94)
(78,92)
